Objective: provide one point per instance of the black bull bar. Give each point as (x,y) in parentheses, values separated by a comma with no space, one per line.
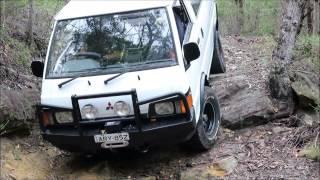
(77,119)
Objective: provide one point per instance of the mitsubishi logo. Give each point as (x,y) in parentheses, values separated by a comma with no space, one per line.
(109,107)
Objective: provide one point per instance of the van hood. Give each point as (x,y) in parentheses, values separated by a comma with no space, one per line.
(148,84)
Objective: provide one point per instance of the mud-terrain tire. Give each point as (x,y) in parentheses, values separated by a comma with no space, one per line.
(218,65)
(208,124)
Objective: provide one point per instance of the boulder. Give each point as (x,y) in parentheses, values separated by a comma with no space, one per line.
(306,121)
(227,164)
(240,105)
(17,108)
(244,104)
(220,169)
(308,118)
(306,87)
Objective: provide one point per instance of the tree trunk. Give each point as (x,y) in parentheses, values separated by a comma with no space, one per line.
(30,23)
(240,14)
(3,13)
(292,16)
(316,17)
(310,14)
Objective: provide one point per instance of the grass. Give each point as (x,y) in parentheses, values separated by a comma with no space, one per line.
(260,17)
(16,51)
(16,13)
(308,46)
(312,150)
(44,4)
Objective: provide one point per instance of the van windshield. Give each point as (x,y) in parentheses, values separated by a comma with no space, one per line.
(111,44)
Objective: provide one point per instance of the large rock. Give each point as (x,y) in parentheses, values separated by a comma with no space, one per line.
(243,104)
(306,87)
(17,108)
(219,169)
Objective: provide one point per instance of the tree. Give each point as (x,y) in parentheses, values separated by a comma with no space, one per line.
(316,17)
(30,23)
(309,15)
(292,18)
(240,14)
(2,14)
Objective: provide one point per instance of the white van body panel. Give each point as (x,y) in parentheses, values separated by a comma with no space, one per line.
(152,83)
(85,8)
(205,22)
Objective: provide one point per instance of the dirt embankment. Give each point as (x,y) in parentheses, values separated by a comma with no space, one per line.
(267,151)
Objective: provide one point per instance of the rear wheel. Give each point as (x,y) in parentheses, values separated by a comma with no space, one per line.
(217,65)
(208,124)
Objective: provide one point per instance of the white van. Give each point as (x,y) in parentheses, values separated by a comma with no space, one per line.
(131,73)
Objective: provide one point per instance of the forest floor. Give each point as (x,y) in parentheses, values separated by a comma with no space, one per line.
(268,151)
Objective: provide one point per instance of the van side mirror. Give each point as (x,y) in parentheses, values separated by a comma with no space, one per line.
(37,68)
(191,51)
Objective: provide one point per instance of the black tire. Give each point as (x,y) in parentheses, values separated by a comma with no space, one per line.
(208,124)
(218,64)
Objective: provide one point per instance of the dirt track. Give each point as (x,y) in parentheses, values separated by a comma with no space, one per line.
(262,152)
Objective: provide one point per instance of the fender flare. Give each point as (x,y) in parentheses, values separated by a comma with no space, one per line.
(203,82)
(217,18)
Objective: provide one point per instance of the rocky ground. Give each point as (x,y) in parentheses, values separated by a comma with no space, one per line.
(262,152)
(269,150)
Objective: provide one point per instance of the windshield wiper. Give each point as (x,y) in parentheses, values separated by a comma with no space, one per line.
(152,62)
(105,82)
(159,61)
(113,77)
(66,82)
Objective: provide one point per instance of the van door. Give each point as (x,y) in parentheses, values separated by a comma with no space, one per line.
(205,12)
(195,68)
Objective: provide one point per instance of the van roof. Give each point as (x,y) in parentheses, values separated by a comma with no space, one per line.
(85,8)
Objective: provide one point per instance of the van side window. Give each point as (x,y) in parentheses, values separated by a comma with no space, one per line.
(181,21)
(196,6)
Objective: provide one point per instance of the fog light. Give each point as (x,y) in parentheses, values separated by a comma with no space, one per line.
(121,108)
(89,112)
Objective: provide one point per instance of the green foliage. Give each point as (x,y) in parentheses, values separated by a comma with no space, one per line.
(261,17)
(317,109)
(15,50)
(44,4)
(3,126)
(308,48)
(308,44)
(311,151)
(50,4)
(14,35)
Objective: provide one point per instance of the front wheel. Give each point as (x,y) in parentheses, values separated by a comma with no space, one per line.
(208,124)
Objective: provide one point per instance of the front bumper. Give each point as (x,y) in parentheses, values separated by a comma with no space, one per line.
(71,140)
(79,137)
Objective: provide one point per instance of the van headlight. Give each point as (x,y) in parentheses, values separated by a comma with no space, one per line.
(89,112)
(121,108)
(164,108)
(64,117)
(170,107)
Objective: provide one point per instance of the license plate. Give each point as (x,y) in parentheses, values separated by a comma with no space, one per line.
(116,137)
